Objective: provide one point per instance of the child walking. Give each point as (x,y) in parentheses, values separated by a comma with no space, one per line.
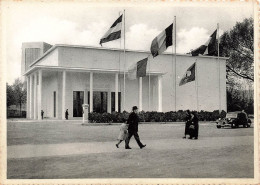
(122,134)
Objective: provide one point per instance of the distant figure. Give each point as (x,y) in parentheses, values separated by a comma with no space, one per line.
(243,111)
(42,113)
(122,134)
(187,123)
(133,128)
(67,114)
(194,126)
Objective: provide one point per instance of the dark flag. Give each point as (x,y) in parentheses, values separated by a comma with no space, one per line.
(114,31)
(189,75)
(208,48)
(162,41)
(138,69)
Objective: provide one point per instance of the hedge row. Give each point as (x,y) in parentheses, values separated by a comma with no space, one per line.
(171,116)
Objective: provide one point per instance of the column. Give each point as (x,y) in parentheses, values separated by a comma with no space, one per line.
(63,94)
(35,97)
(31,96)
(159,93)
(28,97)
(109,102)
(116,92)
(140,93)
(86,96)
(40,95)
(91,92)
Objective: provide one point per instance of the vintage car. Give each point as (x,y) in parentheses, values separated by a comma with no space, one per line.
(234,119)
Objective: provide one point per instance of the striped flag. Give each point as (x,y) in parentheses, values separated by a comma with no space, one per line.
(209,48)
(138,69)
(114,31)
(189,75)
(162,41)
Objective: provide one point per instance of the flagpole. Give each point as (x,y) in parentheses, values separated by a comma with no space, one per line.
(149,85)
(124,61)
(120,61)
(173,82)
(196,85)
(175,63)
(219,72)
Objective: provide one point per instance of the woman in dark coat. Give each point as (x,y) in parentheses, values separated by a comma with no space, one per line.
(187,123)
(194,126)
(133,128)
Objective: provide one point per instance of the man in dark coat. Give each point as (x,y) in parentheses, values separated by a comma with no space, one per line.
(194,132)
(133,120)
(42,113)
(187,124)
(67,114)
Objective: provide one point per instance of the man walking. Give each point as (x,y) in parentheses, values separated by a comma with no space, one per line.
(133,120)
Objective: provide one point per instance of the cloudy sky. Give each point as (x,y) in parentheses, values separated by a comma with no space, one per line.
(82,23)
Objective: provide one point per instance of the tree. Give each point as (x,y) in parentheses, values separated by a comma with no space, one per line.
(10,97)
(19,92)
(238,45)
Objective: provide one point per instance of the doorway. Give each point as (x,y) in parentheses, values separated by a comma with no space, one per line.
(78,99)
(99,101)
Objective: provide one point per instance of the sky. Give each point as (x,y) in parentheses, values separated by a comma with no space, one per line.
(84,23)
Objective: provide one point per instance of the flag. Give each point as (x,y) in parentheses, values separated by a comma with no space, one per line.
(189,76)
(208,48)
(162,41)
(138,69)
(114,31)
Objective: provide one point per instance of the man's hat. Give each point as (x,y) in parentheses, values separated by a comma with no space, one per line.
(135,107)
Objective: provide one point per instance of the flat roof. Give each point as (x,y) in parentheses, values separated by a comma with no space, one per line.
(81,69)
(115,49)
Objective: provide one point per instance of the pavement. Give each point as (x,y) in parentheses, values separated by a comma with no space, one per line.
(64,149)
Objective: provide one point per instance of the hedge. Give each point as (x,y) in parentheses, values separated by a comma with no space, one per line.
(116,117)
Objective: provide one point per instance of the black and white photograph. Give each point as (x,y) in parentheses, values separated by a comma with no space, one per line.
(128,92)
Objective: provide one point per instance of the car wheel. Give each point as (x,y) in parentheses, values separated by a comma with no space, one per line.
(245,125)
(218,126)
(248,125)
(232,125)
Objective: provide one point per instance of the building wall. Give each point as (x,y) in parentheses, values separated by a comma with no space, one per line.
(31,51)
(50,83)
(207,79)
(207,68)
(79,81)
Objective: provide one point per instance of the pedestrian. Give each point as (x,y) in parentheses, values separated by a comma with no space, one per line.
(243,111)
(67,114)
(42,113)
(133,121)
(194,126)
(122,134)
(187,123)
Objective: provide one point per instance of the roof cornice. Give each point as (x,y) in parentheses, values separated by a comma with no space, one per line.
(115,49)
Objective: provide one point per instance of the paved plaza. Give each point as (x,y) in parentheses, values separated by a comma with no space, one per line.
(50,149)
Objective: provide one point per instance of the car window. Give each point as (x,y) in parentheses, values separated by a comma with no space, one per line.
(231,115)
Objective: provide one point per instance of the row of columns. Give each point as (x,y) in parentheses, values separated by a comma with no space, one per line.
(140,94)
(34,96)
(34,105)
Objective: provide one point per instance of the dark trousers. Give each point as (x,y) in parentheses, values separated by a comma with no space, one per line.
(136,138)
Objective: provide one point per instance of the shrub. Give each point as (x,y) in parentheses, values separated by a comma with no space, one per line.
(154,116)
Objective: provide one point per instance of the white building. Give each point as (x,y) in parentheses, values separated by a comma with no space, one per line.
(66,76)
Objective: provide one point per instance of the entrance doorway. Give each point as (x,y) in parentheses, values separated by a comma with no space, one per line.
(99,101)
(78,99)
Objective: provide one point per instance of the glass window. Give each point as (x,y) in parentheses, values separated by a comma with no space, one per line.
(78,99)
(99,101)
(113,108)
